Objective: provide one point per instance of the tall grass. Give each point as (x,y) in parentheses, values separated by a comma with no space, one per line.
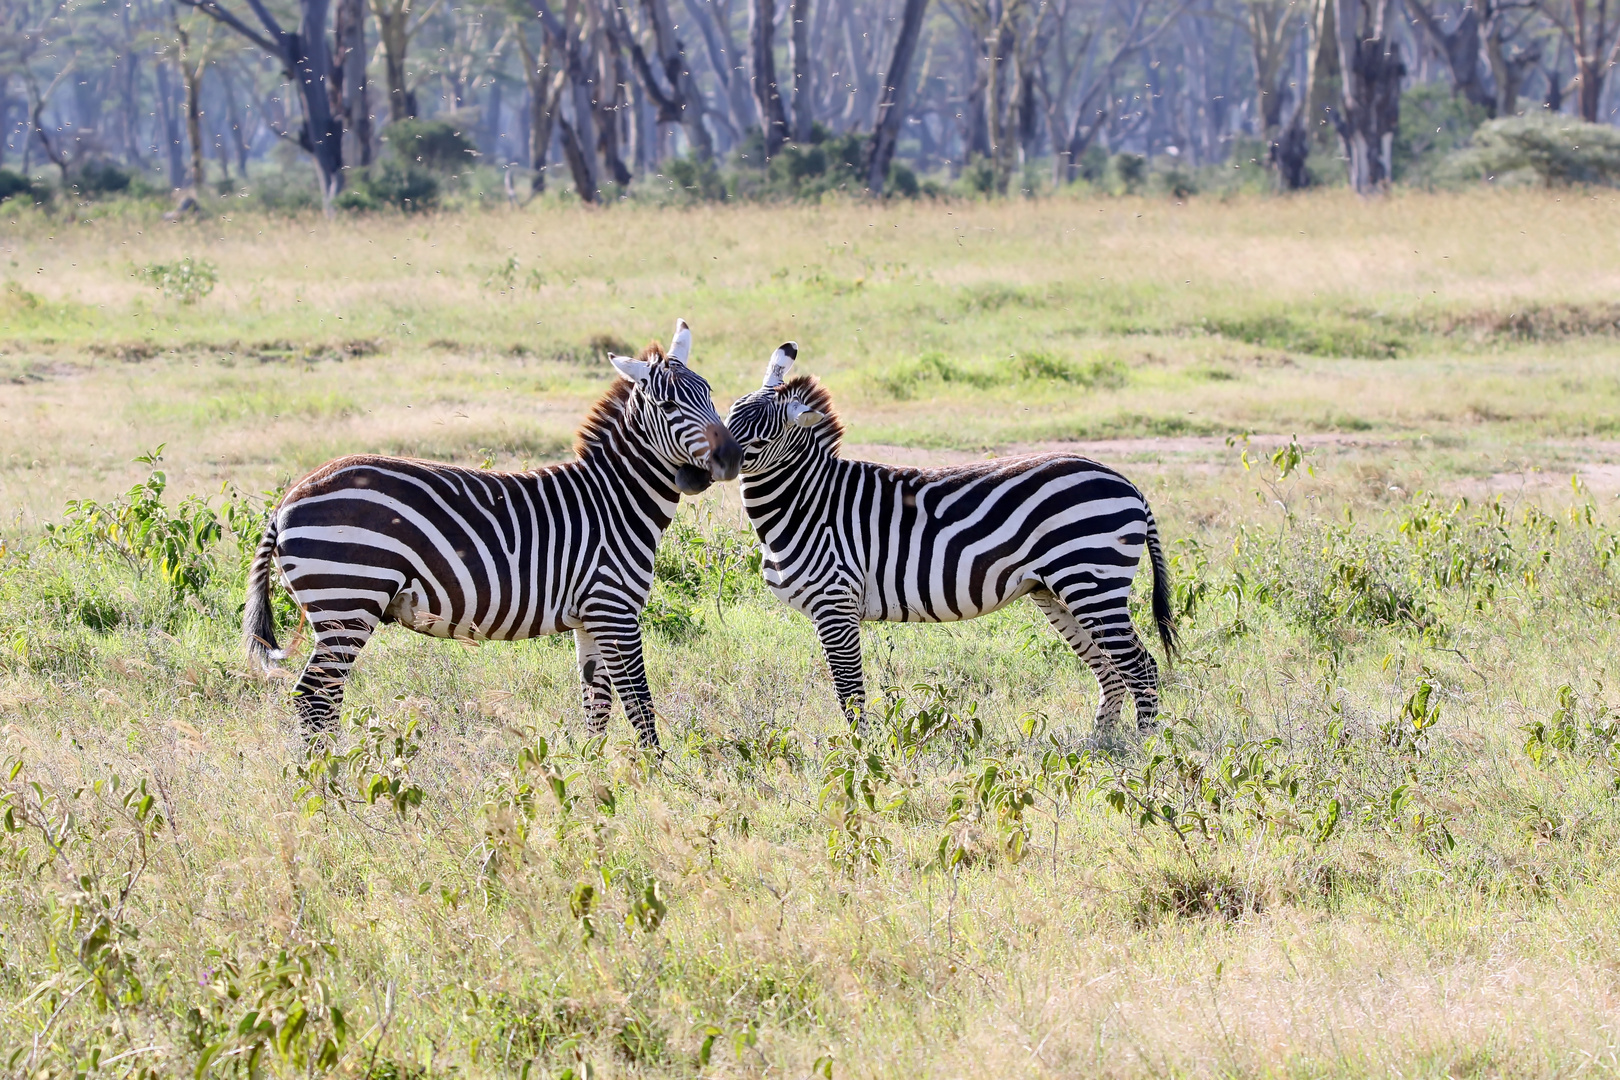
(1373,836)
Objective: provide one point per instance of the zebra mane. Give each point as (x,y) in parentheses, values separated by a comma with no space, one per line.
(605,414)
(808,389)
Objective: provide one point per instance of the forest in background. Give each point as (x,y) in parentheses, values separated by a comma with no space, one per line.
(361,104)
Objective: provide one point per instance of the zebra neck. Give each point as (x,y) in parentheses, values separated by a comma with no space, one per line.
(623,460)
(800,489)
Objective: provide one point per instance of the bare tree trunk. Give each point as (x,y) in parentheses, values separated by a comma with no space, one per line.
(803,92)
(579,136)
(683,102)
(235,121)
(191,77)
(723,56)
(170,124)
(860,65)
(1370,70)
(1596,41)
(546,83)
(891,112)
(767,95)
(349,78)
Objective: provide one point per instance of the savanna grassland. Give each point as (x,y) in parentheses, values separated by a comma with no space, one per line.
(1375,836)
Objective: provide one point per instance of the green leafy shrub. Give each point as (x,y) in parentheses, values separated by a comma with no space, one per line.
(16,185)
(1108,373)
(98,178)
(187,281)
(400,185)
(696,181)
(1320,335)
(1556,150)
(1130,172)
(433,144)
(1435,122)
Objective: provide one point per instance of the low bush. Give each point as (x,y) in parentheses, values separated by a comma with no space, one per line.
(1555,150)
(433,144)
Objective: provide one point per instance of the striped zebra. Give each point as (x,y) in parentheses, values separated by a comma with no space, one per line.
(852,541)
(479,555)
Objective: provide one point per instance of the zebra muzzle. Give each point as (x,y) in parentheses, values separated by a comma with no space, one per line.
(692,480)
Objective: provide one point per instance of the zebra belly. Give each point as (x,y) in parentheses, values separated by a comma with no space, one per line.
(894,610)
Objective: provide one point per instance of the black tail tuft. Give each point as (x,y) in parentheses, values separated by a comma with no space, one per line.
(258,620)
(1163,615)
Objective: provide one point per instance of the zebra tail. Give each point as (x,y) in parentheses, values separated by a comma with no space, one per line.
(1163,614)
(258,620)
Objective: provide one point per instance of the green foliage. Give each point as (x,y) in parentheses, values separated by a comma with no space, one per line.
(914,378)
(1555,150)
(143,532)
(696,181)
(16,185)
(98,178)
(279,1008)
(438,145)
(1320,335)
(394,184)
(188,281)
(376,769)
(1129,172)
(1435,122)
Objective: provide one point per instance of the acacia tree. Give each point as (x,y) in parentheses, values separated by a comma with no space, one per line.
(306,59)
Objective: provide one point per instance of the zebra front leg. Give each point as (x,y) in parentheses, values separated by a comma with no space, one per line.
(1111,688)
(596,685)
(838,629)
(618,635)
(318,694)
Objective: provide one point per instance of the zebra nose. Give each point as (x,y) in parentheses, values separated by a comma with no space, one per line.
(725,456)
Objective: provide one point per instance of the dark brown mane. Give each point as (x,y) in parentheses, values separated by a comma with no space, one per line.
(653,352)
(603,416)
(808,389)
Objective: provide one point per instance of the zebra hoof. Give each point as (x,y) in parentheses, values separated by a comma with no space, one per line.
(691,480)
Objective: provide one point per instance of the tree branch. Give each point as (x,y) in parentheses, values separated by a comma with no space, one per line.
(215,11)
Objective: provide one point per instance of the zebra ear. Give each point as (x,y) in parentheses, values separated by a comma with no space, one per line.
(680,346)
(781,360)
(631,368)
(801,415)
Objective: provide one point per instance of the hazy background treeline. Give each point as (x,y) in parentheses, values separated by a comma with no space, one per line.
(362,104)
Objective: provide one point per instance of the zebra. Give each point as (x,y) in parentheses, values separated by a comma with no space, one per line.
(850,541)
(481,555)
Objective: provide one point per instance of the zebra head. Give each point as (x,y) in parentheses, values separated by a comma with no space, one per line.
(678,414)
(772,423)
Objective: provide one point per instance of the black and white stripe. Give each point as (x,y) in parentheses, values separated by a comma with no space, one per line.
(852,541)
(480,555)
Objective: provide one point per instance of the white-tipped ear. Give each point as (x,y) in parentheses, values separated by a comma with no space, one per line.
(801,415)
(781,360)
(631,368)
(680,346)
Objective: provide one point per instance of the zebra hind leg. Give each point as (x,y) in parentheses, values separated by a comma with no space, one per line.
(1111,628)
(595,684)
(1111,688)
(318,693)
